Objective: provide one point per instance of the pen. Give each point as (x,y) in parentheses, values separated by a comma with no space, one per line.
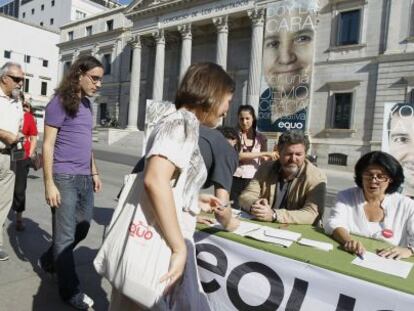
(229,203)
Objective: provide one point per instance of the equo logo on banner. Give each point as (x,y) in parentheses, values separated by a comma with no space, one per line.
(282,283)
(140,230)
(290,125)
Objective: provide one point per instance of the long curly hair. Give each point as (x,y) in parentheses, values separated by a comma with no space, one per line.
(69,88)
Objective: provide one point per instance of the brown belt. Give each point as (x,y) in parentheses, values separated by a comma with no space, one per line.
(4,151)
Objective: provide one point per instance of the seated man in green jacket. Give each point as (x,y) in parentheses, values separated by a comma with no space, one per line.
(288,190)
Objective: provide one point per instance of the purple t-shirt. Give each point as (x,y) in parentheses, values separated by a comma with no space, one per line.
(73,146)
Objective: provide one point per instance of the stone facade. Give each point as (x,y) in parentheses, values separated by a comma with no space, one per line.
(161,38)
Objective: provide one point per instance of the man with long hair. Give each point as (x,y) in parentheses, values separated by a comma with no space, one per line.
(11,117)
(70,173)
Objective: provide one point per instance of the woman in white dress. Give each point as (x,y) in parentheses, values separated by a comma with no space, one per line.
(172,153)
(374,208)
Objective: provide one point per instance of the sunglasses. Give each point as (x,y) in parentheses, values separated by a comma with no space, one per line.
(16,79)
(379,177)
(94,79)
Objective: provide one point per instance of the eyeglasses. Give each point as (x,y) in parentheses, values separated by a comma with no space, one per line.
(379,177)
(94,79)
(16,79)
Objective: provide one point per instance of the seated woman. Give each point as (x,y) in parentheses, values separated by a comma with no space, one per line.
(374,209)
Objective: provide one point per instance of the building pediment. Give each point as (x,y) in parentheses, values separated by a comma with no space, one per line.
(139,6)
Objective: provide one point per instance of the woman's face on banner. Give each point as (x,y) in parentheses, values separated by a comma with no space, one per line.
(401,144)
(288,49)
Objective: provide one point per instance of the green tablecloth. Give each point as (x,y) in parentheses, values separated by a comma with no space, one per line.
(337,260)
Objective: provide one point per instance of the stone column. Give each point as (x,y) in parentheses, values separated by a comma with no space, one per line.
(61,70)
(186,46)
(253,87)
(222,38)
(134,85)
(157,90)
(75,55)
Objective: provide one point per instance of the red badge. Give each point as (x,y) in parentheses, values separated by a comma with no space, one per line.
(387,233)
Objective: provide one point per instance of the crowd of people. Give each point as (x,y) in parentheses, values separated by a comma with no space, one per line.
(279,186)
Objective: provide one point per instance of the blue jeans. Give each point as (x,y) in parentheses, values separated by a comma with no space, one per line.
(71,222)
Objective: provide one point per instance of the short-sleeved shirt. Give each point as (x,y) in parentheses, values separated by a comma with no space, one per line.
(220,158)
(247,168)
(29,129)
(175,137)
(11,115)
(73,146)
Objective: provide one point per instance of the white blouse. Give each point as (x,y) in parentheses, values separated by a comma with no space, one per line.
(349,214)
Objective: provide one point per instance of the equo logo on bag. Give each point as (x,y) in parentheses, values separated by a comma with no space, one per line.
(140,230)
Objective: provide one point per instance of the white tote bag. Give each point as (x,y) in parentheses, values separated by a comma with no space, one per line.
(134,255)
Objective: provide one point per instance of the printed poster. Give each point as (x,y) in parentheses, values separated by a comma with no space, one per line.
(398,139)
(288,54)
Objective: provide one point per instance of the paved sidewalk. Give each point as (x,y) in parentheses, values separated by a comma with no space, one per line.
(24,287)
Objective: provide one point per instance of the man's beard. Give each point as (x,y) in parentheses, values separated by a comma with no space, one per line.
(290,169)
(15,93)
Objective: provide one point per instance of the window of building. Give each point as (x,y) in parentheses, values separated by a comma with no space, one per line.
(342,111)
(79,14)
(106,62)
(45,63)
(24,14)
(70,35)
(42,7)
(26,85)
(53,3)
(27,59)
(66,66)
(110,25)
(89,30)
(52,21)
(337,159)
(43,89)
(33,11)
(349,24)
(7,54)
(41,23)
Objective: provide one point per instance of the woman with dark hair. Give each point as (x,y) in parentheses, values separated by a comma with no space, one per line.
(172,154)
(21,168)
(253,151)
(70,173)
(374,208)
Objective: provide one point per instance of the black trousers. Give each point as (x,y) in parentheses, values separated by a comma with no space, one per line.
(21,170)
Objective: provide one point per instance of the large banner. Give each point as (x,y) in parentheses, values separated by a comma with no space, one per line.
(288,54)
(239,277)
(398,139)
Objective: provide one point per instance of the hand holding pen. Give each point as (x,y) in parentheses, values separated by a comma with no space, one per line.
(355,247)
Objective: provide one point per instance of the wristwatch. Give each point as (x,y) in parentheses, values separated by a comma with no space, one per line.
(274,216)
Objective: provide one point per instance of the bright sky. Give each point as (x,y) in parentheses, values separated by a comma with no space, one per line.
(121,1)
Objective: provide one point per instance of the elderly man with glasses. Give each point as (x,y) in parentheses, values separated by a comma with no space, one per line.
(11,119)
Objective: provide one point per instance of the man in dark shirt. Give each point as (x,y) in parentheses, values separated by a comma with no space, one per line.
(221,161)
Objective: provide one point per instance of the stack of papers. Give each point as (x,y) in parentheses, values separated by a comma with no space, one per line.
(243,228)
(316,244)
(246,227)
(389,266)
(276,236)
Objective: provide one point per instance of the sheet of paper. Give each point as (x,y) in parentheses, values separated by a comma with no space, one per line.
(316,244)
(243,228)
(389,266)
(259,235)
(246,227)
(282,234)
(245,215)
